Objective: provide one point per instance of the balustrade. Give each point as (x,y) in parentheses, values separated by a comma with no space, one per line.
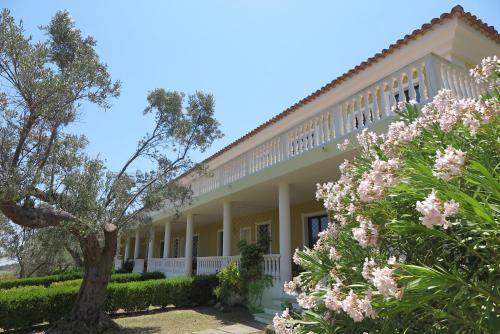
(418,81)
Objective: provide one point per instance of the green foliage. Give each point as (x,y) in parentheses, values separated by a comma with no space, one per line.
(26,306)
(229,289)
(253,280)
(74,279)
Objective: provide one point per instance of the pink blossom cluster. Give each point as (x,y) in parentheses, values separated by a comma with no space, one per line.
(398,134)
(485,70)
(377,180)
(385,283)
(448,164)
(434,211)
(449,112)
(366,234)
(381,278)
(293,287)
(281,323)
(344,145)
(306,301)
(357,308)
(367,139)
(334,254)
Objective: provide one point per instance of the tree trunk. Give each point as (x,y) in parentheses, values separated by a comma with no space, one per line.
(88,313)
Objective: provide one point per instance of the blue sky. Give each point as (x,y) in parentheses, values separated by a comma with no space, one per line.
(257,57)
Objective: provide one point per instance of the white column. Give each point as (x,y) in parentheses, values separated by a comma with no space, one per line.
(137,245)
(227,229)
(118,243)
(285,232)
(188,254)
(166,240)
(151,242)
(127,249)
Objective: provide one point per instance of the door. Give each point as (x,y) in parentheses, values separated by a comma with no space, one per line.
(220,242)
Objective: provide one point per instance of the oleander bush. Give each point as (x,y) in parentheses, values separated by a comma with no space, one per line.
(26,306)
(413,240)
(74,279)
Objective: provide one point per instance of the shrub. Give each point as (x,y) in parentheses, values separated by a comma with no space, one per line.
(229,289)
(253,280)
(127,267)
(30,305)
(74,279)
(41,280)
(412,244)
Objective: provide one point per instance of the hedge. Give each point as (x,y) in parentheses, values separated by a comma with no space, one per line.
(30,305)
(74,277)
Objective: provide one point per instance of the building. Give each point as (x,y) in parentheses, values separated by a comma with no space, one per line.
(265,182)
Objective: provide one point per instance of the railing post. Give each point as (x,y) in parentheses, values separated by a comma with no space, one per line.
(433,76)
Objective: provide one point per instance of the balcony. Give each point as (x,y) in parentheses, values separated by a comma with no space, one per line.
(419,80)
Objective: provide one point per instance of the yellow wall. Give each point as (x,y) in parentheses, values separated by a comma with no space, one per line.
(207,242)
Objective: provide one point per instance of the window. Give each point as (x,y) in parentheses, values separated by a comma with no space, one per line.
(176,247)
(162,245)
(315,224)
(246,234)
(195,245)
(262,230)
(220,242)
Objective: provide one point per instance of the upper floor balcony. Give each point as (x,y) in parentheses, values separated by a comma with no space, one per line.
(368,107)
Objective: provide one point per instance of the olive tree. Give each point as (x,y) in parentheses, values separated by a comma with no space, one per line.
(48,180)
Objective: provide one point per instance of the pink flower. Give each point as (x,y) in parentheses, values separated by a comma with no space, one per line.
(332,301)
(384,282)
(334,255)
(448,164)
(306,301)
(367,271)
(351,305)
(344,145)
(281,323)
(366,234)
(376,181)
(435,212)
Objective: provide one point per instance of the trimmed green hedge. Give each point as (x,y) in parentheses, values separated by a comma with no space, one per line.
(30,305)
(74,277)
(41,280)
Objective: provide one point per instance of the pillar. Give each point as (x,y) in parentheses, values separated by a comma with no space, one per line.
(285,234)
(188,254)
(166,240)
(227,229)
(151,244)
(118,244)
(137,244)
(127,249)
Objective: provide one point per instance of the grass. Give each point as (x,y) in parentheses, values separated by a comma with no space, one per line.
(182,321)
(185,321)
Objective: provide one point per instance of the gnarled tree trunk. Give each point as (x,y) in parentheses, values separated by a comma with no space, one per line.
(88,314)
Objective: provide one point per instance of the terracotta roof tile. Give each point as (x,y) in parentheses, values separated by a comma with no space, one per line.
(456,11)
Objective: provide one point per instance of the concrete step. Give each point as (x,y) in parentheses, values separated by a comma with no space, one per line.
(272,310)
(263,318)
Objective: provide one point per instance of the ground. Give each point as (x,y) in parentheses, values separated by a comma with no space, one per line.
(184,321)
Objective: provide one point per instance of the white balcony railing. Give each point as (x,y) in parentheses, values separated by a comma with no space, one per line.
(138,266)
(214,264)
(420,80)
(170,267)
